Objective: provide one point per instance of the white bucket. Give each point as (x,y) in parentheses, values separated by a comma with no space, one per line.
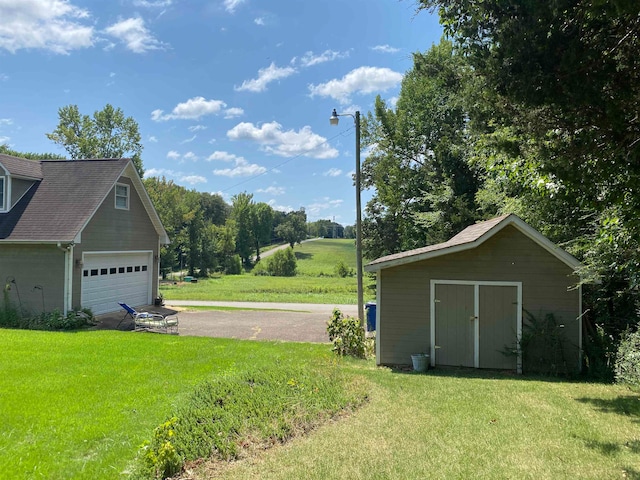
(420,362)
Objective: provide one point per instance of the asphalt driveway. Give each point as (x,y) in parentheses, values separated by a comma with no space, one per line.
(291,322)
(286,322)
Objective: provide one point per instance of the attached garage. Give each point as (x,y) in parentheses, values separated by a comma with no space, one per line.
(463,301)
(112,277)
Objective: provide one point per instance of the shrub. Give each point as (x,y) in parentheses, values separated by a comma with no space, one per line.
(342,270)
(10,317)
(283,263)
(347,336)
(627,366)
(233,265)
(260,269)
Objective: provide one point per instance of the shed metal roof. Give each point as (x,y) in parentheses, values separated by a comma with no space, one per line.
(469,238)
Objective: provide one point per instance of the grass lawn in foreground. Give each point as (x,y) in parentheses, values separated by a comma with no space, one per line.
(452,425)
(78,405)
(315,258)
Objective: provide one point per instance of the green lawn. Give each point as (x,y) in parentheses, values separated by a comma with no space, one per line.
(78,405)
(315,283)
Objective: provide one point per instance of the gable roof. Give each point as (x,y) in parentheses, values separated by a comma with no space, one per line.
(471,237)
(20,167)
(59,205)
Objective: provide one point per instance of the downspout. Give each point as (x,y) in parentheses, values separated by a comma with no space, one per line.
(68,276)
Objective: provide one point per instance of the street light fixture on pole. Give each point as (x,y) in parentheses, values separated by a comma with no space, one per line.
(334,120)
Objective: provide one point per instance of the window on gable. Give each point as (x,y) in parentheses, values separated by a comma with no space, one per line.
(122,196)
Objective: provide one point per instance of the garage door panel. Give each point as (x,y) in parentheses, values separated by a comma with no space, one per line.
(109,278)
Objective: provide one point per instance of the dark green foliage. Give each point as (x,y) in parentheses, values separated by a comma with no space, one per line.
(108,134)
(342,270)
(543,345)
(347,335)
(293,229)
(282,263)
(233,265)
(30,155)
(627,366)
(11,317)
(254,408)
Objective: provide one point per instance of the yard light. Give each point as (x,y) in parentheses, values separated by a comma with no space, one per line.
(334,120)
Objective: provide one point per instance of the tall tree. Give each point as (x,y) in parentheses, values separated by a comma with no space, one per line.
(262,216)
(108,134)
(241,213)
(424,186)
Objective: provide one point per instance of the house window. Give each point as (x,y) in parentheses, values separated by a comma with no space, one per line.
(2,189)
(122,196)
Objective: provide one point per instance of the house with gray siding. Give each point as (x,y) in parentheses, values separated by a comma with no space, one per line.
(467,301)
(77,234)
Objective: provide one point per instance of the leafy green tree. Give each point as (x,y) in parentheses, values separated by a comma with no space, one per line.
(262,216)
(108,134)
(242,213)
(424,187)
(294,228)
(29,155)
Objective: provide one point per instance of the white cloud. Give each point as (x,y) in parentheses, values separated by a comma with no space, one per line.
(192,109)
(4,77)
(385,49)
(315,209)
(259,21)
(152,3)
(153,139)
(333,172)
(158,172)
(134,35)
(362,80)
(223,156)
(52,25)
(309,59)
(280,208)
(231,5)
(190,156)
(188,140)
(173,155)
(195,128)
(242,169)
(284,143)
(272,190)
(4,140)
(193,179)
(265,76)
(6,121)
(233,112)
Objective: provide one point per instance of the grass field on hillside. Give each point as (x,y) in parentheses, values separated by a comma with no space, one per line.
(316,281)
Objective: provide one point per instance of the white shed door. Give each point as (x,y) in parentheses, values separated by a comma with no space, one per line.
(109,278)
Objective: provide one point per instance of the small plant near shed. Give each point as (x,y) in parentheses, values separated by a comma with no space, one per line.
(347,336)
(627,366)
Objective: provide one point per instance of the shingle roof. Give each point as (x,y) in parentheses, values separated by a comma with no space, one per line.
(471,237)
(57,207)
(20,167)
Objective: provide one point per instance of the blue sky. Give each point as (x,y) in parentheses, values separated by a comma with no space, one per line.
(230,95)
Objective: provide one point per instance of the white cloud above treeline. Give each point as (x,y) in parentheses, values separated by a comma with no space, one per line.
(196,108)
(362,80)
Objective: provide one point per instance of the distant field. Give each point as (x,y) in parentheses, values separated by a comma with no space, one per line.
(316,281)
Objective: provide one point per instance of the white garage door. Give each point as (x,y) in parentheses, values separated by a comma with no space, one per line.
(109,278)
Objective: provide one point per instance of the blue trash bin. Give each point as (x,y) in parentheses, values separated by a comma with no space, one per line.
(371,316)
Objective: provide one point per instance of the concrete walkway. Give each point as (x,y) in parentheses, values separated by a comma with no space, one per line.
(351,310)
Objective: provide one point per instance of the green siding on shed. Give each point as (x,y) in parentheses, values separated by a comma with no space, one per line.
(508,256)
